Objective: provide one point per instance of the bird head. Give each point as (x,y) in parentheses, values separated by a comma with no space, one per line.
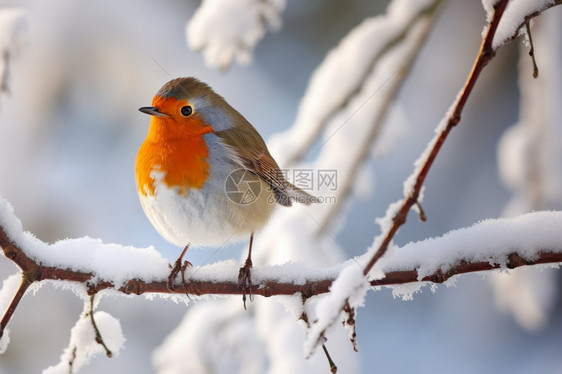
(186,107)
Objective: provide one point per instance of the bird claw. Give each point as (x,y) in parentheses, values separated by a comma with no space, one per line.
(245,280)
(176,269)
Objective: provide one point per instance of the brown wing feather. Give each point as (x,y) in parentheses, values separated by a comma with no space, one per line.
(252,151)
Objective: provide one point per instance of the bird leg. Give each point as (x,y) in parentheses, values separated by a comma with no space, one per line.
(244,275)
(177,268)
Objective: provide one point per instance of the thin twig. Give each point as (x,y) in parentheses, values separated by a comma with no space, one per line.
(30,273)
(14,304)
(333,367)
(531,49)
(305,319)
(99,338)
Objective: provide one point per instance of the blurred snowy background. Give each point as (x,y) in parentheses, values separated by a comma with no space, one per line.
(70,130)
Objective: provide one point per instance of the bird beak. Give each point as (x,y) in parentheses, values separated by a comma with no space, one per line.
(153,111)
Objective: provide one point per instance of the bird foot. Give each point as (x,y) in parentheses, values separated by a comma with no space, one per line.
(245,280)
(178,267)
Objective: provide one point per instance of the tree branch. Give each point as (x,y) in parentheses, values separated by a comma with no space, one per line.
(485,54)
(34,271)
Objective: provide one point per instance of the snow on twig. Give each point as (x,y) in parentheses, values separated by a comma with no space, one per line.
(83,345)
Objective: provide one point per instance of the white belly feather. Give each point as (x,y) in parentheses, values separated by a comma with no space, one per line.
(206,216)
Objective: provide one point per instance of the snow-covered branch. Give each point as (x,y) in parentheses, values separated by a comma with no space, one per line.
(493,244)
(297,258)
(451,259)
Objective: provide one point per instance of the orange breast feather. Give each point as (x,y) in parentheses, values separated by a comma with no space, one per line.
(182,160)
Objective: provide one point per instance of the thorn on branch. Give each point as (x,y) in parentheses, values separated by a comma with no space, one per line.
(531,49)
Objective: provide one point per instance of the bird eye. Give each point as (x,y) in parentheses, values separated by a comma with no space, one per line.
(186,110)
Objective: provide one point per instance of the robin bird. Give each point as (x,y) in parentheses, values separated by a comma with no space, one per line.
(204,174)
